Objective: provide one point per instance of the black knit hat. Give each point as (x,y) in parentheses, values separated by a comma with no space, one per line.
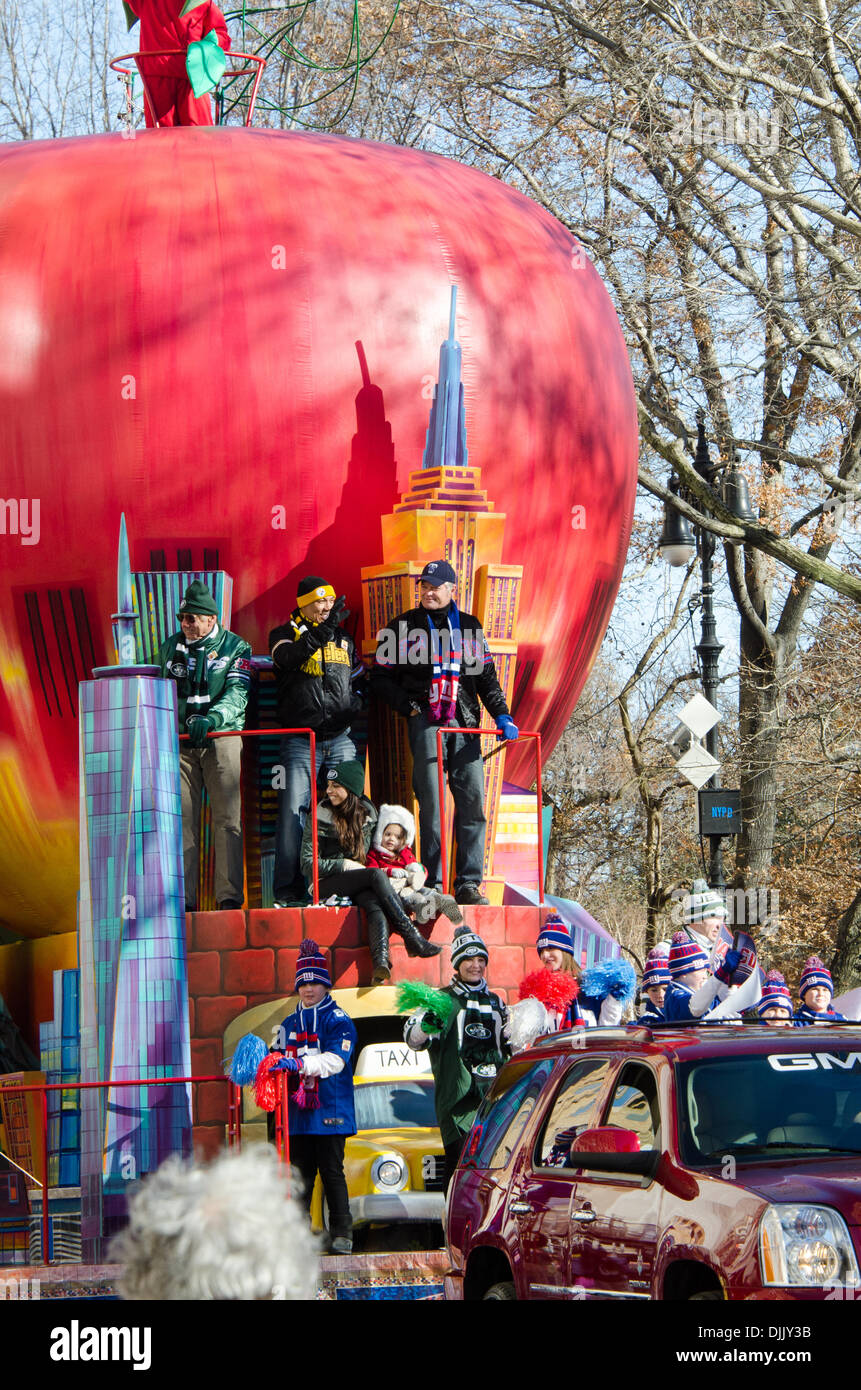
(350,775)
(198,599)
(312,588)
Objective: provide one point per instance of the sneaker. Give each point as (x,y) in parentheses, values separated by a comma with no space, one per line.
(229,905)
(342,1245)
(470,895)
(290,902)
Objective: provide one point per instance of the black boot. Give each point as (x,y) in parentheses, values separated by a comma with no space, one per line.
(399,922)
(378,942)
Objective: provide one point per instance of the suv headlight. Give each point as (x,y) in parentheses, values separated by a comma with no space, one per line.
(806,1247)
(389,1173)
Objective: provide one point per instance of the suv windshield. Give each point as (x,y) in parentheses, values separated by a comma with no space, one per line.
(780,1104)
(388,1104)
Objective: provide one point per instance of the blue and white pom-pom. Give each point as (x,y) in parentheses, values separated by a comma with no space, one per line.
(249,1053)
(615,977)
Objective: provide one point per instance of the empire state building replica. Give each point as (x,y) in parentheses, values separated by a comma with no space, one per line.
(444,513)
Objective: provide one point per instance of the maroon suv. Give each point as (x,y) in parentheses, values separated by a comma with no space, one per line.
(711,1162)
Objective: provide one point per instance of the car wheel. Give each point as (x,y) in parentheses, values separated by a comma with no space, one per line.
(707,1296)
(504,1292)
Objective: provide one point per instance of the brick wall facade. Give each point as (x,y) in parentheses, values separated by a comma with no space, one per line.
(239,959)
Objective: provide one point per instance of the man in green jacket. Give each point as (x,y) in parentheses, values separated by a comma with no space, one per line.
(467,1049)
(212,670)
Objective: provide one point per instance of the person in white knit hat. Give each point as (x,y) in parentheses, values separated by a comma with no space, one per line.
(392,852)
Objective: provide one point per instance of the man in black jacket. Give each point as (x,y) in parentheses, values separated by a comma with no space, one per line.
(433,666)
(315,665)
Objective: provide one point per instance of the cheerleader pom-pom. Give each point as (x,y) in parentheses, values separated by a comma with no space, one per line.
(249,1053)
(265,1084)
(614,977)
(412,995)
(526,1022)
(555,989)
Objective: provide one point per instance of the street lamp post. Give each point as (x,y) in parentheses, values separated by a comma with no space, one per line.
(677,543)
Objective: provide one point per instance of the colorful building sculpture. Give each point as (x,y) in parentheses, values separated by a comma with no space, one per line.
(131,928)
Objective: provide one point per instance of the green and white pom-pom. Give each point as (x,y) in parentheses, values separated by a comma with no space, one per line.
(413,995)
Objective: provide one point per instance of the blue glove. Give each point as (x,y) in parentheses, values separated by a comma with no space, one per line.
(286,1064)
(507,727)
(728,967)
(198,727)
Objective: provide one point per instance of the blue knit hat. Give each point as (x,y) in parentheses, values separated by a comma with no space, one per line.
(657,968)
(686,955)
(556,935)
(311,966)
(775,994)
(815,973)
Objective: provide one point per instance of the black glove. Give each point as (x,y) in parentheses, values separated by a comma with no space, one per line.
(339,613)
(430,1024)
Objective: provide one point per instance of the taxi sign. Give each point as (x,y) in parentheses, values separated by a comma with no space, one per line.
(392,1059)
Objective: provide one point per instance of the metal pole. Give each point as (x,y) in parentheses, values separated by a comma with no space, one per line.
(539,796)
(46,1228)
(443,839)
(315,864)
(709,648)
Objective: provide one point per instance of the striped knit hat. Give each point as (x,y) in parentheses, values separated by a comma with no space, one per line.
(775,994)
(815,973)
(657,968)
(686,955)
(555,934)
(466,943)
(311,965)
(703,902)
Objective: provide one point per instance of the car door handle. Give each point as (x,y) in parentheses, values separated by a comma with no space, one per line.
(584,1214)
(521,1209)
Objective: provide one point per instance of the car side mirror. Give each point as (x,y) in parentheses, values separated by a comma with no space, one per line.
(611,1149)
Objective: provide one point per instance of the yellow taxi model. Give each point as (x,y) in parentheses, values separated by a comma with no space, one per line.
(394,1162)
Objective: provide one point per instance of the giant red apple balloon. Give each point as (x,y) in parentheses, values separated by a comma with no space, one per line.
(179,314)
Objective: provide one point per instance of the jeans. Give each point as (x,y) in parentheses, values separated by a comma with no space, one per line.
(294,803)
(462,758)
(217,766)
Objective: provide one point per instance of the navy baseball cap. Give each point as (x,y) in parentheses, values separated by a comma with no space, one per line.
(438,572)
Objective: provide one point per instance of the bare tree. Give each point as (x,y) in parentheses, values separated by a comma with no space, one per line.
(709,161)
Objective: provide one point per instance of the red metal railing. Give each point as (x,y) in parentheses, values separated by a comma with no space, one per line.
(312,753)
(258,64)
(443,836)
(234,1110)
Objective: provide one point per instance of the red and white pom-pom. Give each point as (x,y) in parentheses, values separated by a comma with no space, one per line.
(773,977)
(553,988)
(265,1084)
(681,938)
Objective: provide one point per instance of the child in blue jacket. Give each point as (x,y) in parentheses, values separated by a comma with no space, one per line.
(318,1042)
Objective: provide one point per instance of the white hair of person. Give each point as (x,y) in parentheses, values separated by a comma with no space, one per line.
(224,1230)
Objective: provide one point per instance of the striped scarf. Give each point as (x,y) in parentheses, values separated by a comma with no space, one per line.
(480,1024)
(314,665)
(446,675)
(197,656)
(304,1091)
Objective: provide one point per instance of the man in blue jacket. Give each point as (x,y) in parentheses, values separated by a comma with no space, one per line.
(319,1042)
